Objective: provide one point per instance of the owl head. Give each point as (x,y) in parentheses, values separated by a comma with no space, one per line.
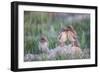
(70,28)
(43,38)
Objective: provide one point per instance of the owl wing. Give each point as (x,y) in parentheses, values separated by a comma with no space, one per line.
(62,37)
(71,36)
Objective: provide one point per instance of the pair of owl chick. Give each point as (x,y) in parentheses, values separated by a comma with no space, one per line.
(65,34)
(68,33)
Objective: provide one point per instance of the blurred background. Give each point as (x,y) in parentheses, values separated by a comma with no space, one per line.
(50,23)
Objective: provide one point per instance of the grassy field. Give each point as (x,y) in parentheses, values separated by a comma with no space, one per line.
(49,24)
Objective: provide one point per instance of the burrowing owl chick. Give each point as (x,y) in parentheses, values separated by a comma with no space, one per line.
(71,34)
(62,37)
(43,44)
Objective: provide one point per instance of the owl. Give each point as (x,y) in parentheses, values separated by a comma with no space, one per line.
(43,44)
(62,37)
(71,34)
